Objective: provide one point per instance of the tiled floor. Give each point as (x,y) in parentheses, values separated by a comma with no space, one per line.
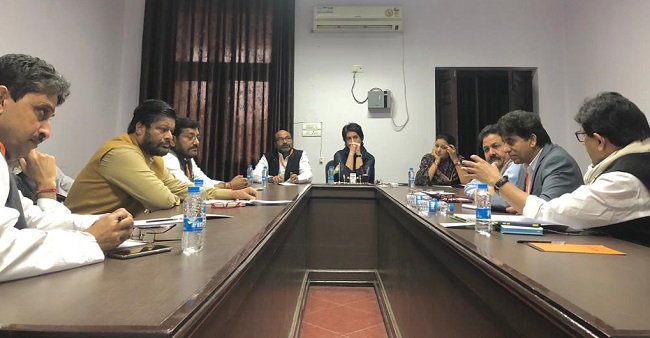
(342,312)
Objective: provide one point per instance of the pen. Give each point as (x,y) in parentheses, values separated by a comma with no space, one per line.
(160,220)
(460,219)
(534,241)
(521,224)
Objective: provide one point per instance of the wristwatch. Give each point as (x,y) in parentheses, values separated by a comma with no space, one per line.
(503,180)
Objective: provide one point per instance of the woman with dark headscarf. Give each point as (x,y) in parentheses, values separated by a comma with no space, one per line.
(443,165)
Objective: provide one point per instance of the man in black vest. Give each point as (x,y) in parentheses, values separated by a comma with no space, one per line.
(46,237)
(285,164)
(615,198)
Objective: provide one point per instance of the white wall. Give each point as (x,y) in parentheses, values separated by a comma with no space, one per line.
(608,48)
(441,33)
(580,47)
(96,45)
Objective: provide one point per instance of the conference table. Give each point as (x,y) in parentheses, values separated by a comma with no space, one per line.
(252,276)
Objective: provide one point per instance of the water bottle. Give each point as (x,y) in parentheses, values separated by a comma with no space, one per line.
(433,206)
(265,177)
(249,173)
(411,179)
(202,191)
(193,218)
(483,210)
(330,175)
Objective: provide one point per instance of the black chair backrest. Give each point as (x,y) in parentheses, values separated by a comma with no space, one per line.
(330,163)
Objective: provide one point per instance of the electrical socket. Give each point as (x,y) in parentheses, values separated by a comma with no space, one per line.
(320,160)
(357,68)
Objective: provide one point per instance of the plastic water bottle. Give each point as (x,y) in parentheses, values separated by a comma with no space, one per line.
(249,173)
(193,220)
(199,183)
(483,210)
(202,191)
(265,177)
(330,175)
(411,179)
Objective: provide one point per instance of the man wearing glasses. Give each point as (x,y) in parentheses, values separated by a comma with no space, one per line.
(615,197)
(184,149)
(285,164)
(549,171)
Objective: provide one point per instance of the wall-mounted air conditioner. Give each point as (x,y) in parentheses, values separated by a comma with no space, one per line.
(343,18)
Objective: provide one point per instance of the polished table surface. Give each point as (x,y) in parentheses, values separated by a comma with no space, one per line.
(153,293)
(611,292)
(161,293)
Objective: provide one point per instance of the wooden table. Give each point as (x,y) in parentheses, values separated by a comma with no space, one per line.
(249,280)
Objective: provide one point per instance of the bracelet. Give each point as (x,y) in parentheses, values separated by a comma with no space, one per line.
(42,191)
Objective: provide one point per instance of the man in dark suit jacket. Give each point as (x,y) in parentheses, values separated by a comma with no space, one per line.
(615,196)
(284,163)
(549,170)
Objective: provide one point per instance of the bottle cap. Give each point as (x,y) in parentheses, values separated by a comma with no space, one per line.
(250,165)
(482,185)
(198,182)
(265,167)
(193,188)
(410,168)
(451,207)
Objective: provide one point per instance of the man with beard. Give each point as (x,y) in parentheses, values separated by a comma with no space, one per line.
(285,164)
(128,170)
(46,237)
(495,154)
(185,148)
(615,195)
(549,171)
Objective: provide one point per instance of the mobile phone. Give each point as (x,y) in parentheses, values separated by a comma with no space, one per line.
(138,251)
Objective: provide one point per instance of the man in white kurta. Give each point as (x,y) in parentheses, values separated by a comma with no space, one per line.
(46,237)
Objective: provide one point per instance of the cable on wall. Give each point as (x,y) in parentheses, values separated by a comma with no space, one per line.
(354,81)
(406,102)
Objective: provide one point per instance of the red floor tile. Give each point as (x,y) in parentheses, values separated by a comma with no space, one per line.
(377,331)
(344,312)
(310,331)
(342,294)
(317,304)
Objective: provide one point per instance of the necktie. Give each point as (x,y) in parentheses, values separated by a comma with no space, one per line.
(13,201)
(527,182)
(188,170)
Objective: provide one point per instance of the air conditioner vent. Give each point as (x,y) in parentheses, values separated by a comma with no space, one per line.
(357,18)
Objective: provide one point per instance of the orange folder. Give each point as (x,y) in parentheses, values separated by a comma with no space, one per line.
(575,248)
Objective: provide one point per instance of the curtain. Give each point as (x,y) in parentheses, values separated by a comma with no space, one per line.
(227,64)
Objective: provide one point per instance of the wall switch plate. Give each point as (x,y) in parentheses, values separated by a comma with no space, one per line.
(311,133)
(311,129)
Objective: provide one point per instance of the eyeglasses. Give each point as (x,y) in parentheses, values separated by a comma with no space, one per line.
(149,234)
(227,205)
(284,139)
(581,136)
(192,137)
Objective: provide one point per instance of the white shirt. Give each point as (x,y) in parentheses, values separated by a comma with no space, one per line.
(612,198)
(52,241)
(174,166)
(304,176)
